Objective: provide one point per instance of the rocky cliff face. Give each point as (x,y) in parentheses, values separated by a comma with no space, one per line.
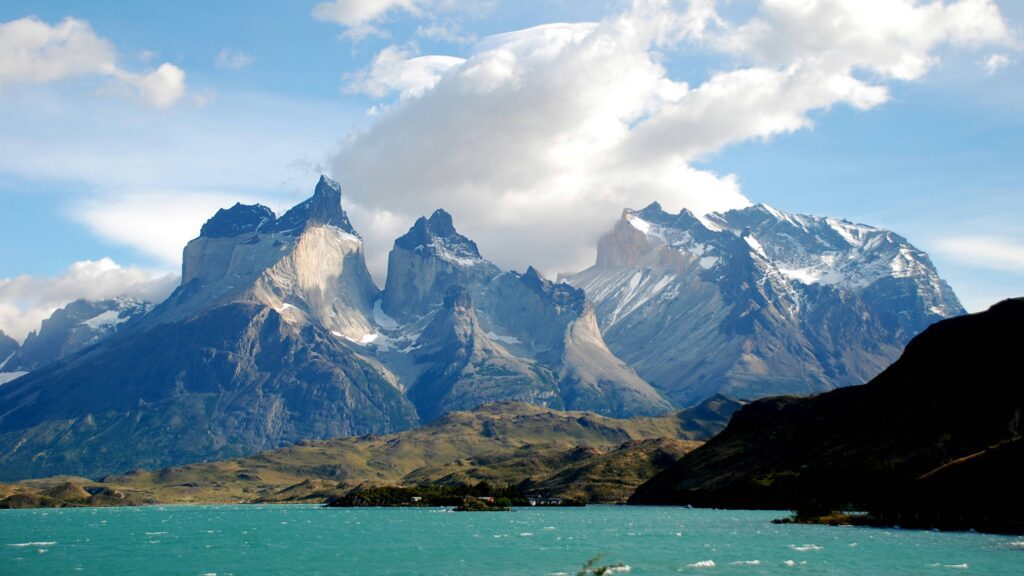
(428,259)
(498,335)
(756,302)
(463,368)
(77,325)
(257,349)
(308,265)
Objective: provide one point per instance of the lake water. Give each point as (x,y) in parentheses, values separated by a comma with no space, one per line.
(244,540)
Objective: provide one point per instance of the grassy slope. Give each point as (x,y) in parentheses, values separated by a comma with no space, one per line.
(571,453)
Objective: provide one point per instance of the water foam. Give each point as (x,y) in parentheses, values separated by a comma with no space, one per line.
(806,548)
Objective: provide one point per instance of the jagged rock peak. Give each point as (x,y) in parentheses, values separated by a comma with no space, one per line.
(438,236)
(655,214)
(239,219)
(560,293)
(441,222)
(8,346)
(324,207)
(456,297)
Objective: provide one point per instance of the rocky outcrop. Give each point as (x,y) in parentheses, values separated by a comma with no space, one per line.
(756,302)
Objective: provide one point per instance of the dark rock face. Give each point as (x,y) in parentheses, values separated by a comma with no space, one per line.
(756,302)
(238,219)
(911,441)
(323,208)
(80,324)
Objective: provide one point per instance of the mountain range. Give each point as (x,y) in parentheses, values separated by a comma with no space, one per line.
(278,333)
(756,302)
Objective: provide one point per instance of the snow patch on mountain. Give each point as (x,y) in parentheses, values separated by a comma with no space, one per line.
(452,252)
(6,377)
(501,338)
(381,319)
(109,318)
(756,301)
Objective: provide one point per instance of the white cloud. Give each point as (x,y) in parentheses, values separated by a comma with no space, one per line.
(445,32)
(395,70)
(892,38)
(158,223)
(358,16)
(543,135)
(984,252)
(357,12)
(34,52)
(25,301)
(233,59)
(361,18)
(204,98)
(149,180)
(161,88)
(996,62)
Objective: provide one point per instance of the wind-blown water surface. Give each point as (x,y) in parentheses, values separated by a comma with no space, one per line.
(244,540)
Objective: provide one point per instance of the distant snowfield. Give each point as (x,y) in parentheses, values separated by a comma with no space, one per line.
(6,377)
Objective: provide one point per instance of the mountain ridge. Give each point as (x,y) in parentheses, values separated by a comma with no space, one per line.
(576,454)
(756,302)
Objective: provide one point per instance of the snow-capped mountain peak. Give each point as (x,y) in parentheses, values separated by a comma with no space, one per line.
(436,236)
(819,301)
(78,324)
(427,259)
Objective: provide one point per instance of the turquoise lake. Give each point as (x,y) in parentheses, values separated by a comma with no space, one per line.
(248,539)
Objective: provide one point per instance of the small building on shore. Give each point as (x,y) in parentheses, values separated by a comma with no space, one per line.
(538,500)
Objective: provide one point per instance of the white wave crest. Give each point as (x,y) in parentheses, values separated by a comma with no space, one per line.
(806,548)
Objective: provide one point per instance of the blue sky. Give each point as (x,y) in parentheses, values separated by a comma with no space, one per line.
(105,158)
